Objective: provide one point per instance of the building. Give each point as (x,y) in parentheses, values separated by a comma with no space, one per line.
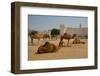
(80,31)
(63,29)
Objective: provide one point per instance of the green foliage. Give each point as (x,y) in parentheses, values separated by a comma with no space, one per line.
(55,32)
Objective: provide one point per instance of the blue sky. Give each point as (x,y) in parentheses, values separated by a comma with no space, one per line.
(45,22)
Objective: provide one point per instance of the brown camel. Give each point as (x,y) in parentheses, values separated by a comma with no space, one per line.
(47,48)
(68,37)
(45,36)
(37,36)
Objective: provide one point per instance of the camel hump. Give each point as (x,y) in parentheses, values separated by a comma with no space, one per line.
(65,33)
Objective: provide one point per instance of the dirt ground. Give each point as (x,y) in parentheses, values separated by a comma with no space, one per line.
(73,52)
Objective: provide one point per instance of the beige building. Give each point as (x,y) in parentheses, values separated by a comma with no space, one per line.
(80,31)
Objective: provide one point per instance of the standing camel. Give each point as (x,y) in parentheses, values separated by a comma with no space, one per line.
(38,37)
(67,37)
(35,37)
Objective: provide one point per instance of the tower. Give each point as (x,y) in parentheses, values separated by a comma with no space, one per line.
(80,26)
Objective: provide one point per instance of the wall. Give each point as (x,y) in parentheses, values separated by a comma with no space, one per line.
(5,42)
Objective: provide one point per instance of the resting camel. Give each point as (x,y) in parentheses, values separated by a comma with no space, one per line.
(78,41)
(47,47)
(67,37)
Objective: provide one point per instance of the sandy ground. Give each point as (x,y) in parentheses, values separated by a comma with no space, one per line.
(73,52)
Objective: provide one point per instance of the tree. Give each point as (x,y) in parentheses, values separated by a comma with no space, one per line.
(55,32)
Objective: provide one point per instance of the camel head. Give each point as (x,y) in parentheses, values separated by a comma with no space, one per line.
(46,43)
(74,35)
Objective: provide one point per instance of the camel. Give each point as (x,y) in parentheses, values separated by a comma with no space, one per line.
(68,37)
(37,36)
(45,36)
(78,41)
(47,48)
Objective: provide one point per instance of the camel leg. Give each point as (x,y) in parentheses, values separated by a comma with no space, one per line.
(38,41)
(68,43)
(32,41)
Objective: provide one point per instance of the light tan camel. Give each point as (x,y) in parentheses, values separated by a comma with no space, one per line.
(78,41)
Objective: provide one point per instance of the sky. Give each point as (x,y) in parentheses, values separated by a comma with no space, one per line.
(46,22)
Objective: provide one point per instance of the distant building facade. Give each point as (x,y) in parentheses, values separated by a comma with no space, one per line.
(63,29)
(81,31)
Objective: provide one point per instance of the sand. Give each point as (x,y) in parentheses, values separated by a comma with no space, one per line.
(75,51)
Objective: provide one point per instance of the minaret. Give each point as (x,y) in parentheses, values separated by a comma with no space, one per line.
(80,29)
(80,26)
